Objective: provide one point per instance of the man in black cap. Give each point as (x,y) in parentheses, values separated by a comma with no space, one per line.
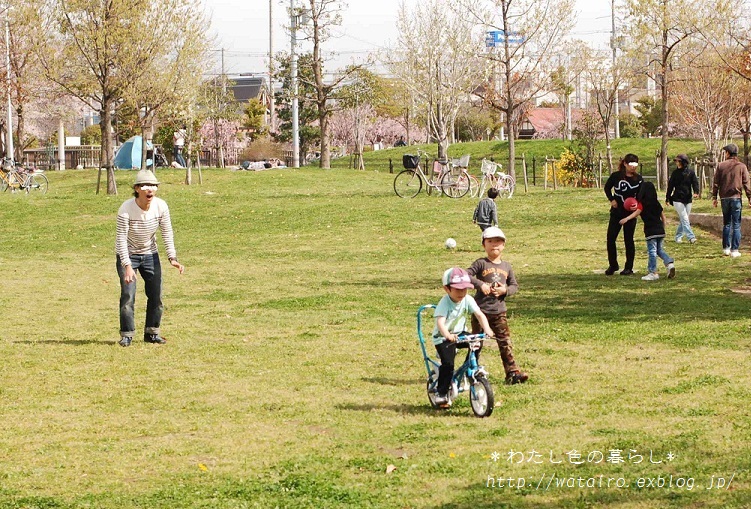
(730,180)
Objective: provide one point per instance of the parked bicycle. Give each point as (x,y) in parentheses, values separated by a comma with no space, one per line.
(451,181)
(493,177)
(18,178)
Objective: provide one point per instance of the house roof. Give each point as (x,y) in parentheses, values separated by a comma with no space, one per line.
(545,119)
(247,88)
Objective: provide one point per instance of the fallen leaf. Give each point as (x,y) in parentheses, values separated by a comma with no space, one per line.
(390,469)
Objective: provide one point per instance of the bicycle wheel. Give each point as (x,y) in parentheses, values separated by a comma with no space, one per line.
(37,183)
(474,186)
(407,184)
(481,397)
(505,186)
(455,185)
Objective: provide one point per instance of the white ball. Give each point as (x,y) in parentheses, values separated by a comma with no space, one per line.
(450,243)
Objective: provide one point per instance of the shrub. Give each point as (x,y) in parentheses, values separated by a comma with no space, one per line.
(262,149)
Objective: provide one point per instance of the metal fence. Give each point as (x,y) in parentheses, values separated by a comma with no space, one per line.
(88,156)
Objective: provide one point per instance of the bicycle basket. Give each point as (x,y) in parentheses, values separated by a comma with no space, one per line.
(488,167)
(410,162)
(462,162)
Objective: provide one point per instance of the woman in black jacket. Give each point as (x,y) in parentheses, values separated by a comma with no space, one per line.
(680,186)
(622,184)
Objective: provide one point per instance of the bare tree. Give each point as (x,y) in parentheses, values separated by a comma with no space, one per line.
(324,15)
(437,59)
(605,81)
(531,31)
(708,96)
(660,29)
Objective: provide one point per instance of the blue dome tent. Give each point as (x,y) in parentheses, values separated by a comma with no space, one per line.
(129,154)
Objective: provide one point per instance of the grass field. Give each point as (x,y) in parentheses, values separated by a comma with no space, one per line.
(292,377)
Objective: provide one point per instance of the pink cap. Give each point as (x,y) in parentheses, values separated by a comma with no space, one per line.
(457,278)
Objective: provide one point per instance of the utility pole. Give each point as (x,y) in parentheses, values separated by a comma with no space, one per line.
(294,21)
(613,45)
(272,113)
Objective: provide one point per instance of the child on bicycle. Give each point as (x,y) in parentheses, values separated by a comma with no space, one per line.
(450,321)
(495,281)
(486,213)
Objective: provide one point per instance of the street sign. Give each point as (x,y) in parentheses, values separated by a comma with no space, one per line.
(495,38)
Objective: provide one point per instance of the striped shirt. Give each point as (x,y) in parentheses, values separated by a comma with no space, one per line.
(136,229)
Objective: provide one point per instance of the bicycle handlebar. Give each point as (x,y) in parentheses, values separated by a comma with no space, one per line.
(471,338)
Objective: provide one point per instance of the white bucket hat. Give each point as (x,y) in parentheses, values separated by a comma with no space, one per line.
(146,177)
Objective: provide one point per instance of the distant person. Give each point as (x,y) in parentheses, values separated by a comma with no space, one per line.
(450,321)
(622,184)
(679,194)
(654,231)
(486,212)
(136,250)
(178,140)
(400,142)
(730,181)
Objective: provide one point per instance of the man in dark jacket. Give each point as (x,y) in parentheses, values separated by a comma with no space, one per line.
(730,181)
(680,186)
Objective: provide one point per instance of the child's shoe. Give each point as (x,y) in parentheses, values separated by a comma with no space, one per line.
(516,377)
(441,400)
(651,277)
(735,254)
(726,251)
(671,270)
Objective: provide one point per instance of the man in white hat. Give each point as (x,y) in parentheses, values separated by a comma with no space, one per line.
(135,247)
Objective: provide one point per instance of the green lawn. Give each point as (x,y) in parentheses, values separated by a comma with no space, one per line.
(293,378)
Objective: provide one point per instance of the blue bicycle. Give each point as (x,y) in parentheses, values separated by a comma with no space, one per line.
(468,377)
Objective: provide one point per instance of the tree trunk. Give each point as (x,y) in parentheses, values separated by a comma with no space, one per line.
(323,120)
(106,155)
(662,174)
(18,147)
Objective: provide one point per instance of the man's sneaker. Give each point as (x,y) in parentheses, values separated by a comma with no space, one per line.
(626,272)
(679,240)
(671,270)
(125,341)
(726,251)
(651,277)
(517,377)
(693,241)
(154,338)
(610,271)
(735,254)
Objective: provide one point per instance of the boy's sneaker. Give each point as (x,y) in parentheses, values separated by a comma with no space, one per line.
(735,254)
(442,400)
(154,338)
(679,240)
(651,277)
(671,270)
(693,241)
(125,341)
(517,377)
(726,251)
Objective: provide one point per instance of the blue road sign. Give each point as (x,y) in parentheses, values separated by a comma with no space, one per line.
(495,38)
